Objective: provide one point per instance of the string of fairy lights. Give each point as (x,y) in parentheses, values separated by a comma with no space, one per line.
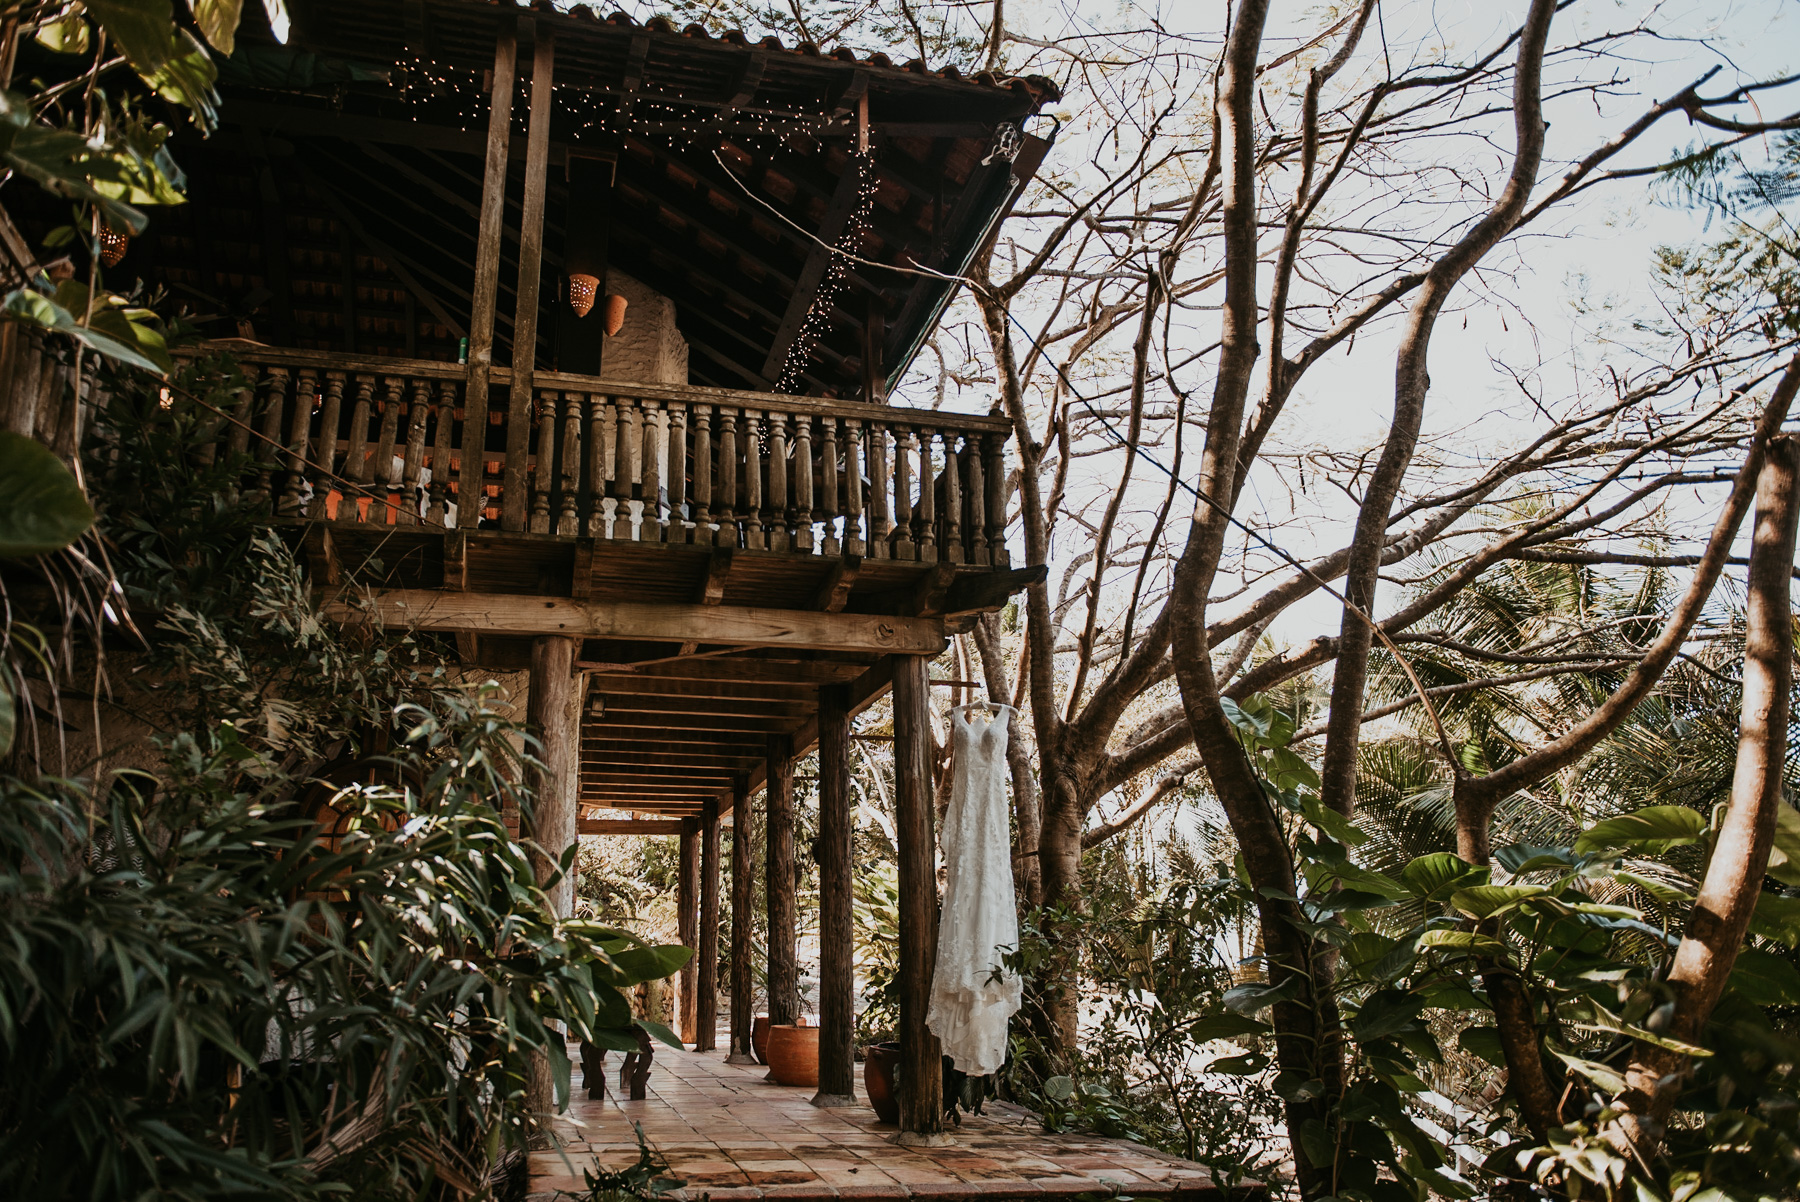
(857,228)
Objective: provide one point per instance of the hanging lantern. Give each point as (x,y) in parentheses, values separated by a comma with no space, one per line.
(613,316)
(113,245)
(582,289)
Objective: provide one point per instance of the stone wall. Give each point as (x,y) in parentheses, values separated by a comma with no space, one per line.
(648,349)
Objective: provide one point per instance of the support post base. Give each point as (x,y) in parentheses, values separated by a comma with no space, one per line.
(829,1101)
(925,1139)
(740,1058)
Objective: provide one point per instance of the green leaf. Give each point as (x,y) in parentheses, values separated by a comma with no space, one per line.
(1433,877)
(1652,830)
(1777,918)
(637,964)
(1483,1043)
(42,508)
(1784,857)
(660,1032)
(218,21)
(67,36)
(1465,941)
(1330,821)
(1225,1026)
(1606,1079)
(1385,1012)
(1249,999)
(143,29)
(1527,857)
(187,79)
(1239,1066)
(1485,901)
(1059,1089)
(1765,978)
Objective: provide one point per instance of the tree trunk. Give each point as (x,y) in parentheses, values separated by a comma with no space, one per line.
(687,888)
(837,921)
(743,926)
(707,1014)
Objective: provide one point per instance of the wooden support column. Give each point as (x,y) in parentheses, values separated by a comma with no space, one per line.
(837,935)
(707,1016)
(920,1071)
(531,255)
(553,716)
(778,883)
(487,279)
(743,924)
(687,919)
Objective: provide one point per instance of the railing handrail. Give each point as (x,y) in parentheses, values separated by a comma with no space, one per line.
(731,398)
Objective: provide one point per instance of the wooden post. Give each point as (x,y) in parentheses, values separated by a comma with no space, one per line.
(778,883)
(470,499)
(687,915)
(837,935)
(552,714)
(743,988)
(531,255)
(920,1071)
(705,1039)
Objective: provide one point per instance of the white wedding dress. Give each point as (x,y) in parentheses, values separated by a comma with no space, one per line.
(969,1007)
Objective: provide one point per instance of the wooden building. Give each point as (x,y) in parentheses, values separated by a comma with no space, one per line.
(707,535)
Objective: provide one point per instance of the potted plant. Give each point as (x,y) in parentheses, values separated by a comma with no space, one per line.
(759,1038)
(879,1061)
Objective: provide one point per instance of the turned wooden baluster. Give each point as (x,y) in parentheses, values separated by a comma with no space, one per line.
(854,543)
(728,478)
(753,481)
(569,461)
(704,526)
(953,506)
(880,489)
(325,444)
(617,492)
(927,523)
(777,526)
(803,484)
(978,532)
(387,479)
(828,465)
(631,466)
(442,452)
(274,398)
(905,445)
(598,425)
(655,441)
(418,413)
(994,449)
(356,453)
(299,422)
(680,522)
(543,461)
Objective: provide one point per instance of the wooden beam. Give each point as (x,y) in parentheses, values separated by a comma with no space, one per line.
(837,927)
(678,707)
(322,558)
(687,925)
(552,709)
(600,738)
(984,592)
(707,1016)
(531,257)
(629,826)
(581,583)
(698,722)
(470,479)
(456,559)
(709,689)
(743,926)
(835,592)
(919,1073)
(505,613)
(806,288)
(724,667)
(718,569)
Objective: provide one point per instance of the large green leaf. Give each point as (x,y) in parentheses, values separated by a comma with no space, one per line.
(1777,918)
(1784,857)
(1462,941)
(1249,999)
(1435,876)
(218,21)
(1225,1026)
(143,29)
(1485,901)
(1385,1012)
(42,508)
(1765,978)
(1483,1042)
(1652,830)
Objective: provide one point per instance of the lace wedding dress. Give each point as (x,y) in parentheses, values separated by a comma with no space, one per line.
(970,1006)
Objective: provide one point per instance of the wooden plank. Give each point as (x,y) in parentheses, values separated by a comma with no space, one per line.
(835,592)
(456,561)
(629,826)
(670,723)
(581,585)
(656,686)
(837,931)
(531,257)
(920,1079)
(676,707)
(487,276)
(718,569)
(501,613)
(733,668)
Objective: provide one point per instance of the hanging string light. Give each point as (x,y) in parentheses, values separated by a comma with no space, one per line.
(837,273)
(113,245)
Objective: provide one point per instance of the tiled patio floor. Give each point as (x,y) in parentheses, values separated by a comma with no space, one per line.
(734,1137)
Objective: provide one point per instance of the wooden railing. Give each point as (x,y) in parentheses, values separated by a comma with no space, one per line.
(388,443)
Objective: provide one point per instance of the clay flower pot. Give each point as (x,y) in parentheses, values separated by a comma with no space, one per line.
(794,1055)
(612,313)
(879,1060)
(759,1038)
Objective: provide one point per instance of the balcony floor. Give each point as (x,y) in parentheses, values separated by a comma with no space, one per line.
(734,1137)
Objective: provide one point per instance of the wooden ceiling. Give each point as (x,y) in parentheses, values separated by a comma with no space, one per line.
(337,208)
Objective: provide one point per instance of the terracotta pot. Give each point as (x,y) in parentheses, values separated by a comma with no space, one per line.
(794,1056)
(879,1060)
(612,313)
(759,1038)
